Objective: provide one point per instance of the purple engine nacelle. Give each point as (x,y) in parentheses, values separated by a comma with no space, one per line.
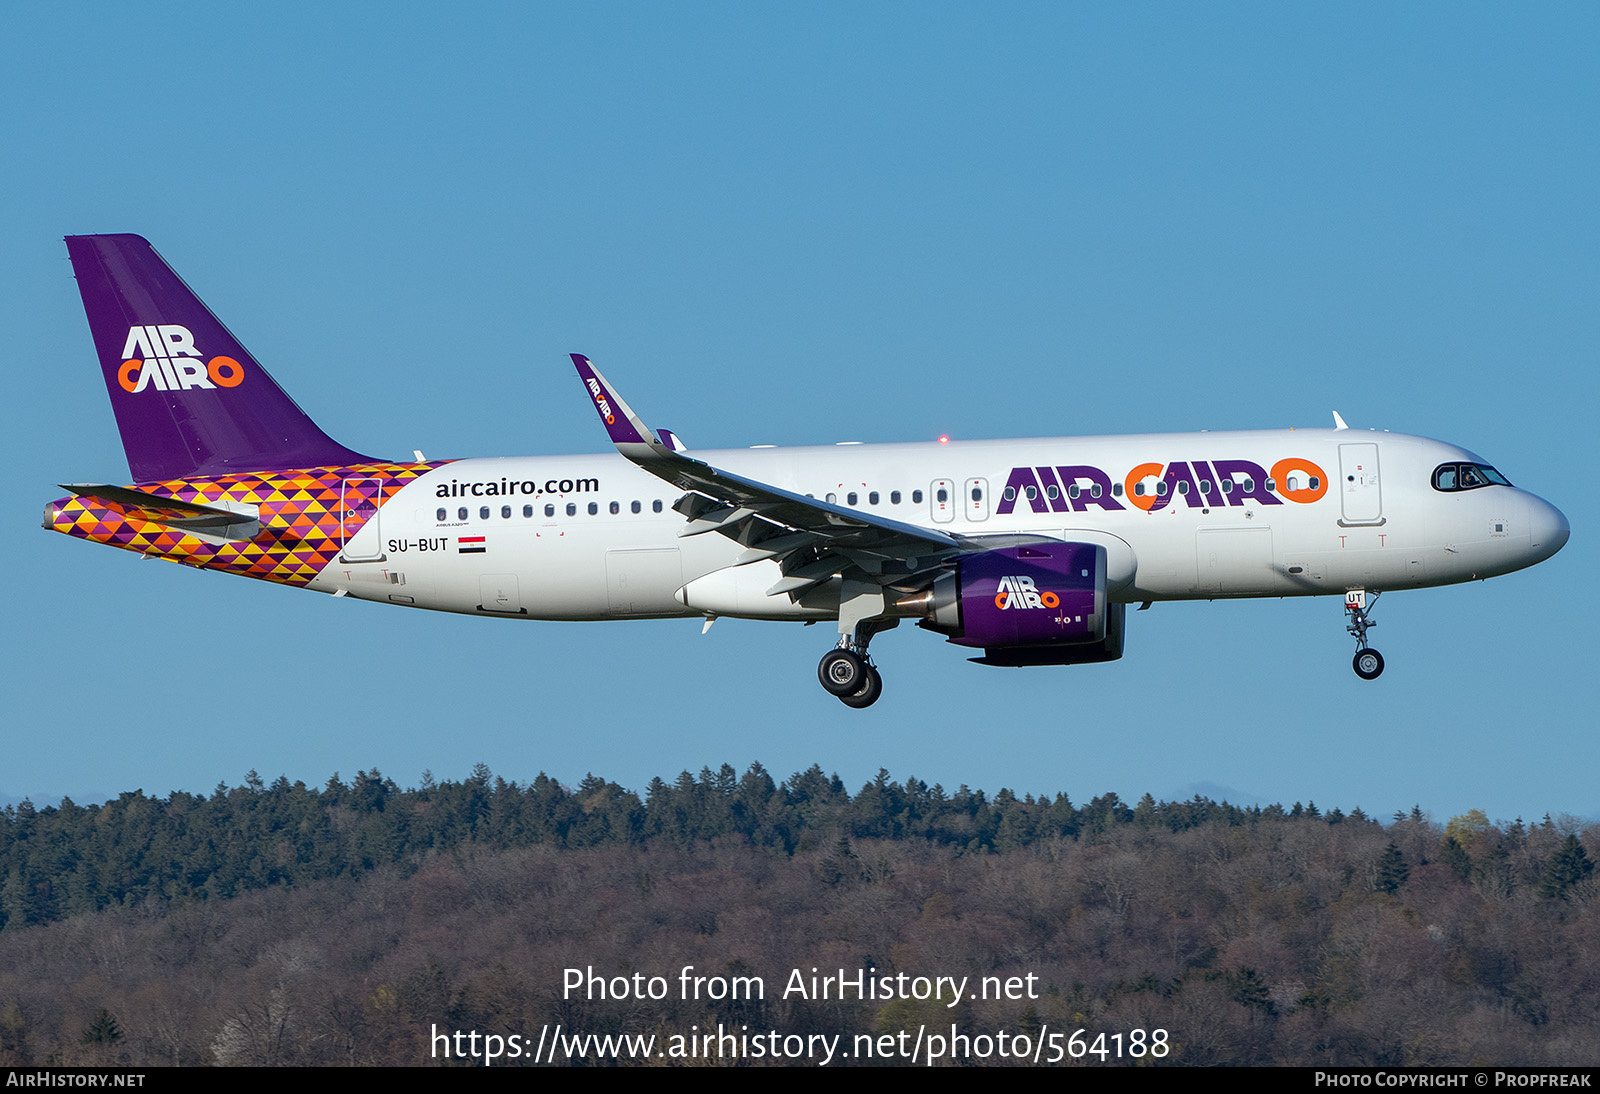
(1043,604)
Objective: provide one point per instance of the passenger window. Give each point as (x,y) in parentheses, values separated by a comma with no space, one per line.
(1116,489)
(505,512)
(1183,486)
(1316,483)
(977,493)
(850,498)
(1291,483)
(635,507)
(1052,491)
(483,512)
(1073,491)
(655,506)
(872,498)
(1009,493)
(1094,491)
(594,507)
(615,508)
(572,509)
(916,497)
(461,514)
(1161,489)
(549,510)
(443,514)
(527,510)
(1031,491)
(894,497)
(1272,484)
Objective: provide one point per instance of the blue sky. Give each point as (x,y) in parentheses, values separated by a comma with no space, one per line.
(800,224)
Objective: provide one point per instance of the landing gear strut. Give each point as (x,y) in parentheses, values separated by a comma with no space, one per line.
(847,672)
(1367,662)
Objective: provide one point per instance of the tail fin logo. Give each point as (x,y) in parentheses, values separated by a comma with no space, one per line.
(163,355)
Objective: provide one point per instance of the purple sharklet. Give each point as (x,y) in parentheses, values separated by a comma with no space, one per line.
(190,401)
(620,421)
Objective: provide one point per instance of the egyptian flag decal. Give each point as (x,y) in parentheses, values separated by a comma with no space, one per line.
(470,545)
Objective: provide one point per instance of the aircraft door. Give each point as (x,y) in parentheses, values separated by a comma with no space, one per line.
(975,499)
(643,581)
(499,593)
(359,501)
(1358,484)
(1235,561)
(942,501)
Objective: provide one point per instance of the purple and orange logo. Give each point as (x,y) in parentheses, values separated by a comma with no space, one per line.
(1021,592)
(1155,486)
(163,355)
(600,400)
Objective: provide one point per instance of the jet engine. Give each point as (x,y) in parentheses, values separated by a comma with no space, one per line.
(1042,604)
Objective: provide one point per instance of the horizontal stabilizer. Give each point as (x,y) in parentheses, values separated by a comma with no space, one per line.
(241,522)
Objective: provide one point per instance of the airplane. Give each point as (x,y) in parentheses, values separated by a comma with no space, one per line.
(1029,551)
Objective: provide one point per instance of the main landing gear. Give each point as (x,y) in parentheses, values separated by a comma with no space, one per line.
(847,672)
(850,676)
(1367,662)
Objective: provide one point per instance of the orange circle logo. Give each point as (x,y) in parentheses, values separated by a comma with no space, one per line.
(1135,477)
(225,371)
(1314,474)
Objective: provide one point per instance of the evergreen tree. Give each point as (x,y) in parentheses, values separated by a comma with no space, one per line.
(1455,856)
(1392,870)
(1568,866)
(103,1030)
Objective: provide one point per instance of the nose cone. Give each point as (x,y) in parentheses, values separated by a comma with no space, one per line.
(1548,528)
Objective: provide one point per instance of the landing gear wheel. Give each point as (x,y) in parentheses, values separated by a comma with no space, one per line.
(871,688)
(1368,664)
(843,672)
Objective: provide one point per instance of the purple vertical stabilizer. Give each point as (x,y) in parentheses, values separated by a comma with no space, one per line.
(189,399)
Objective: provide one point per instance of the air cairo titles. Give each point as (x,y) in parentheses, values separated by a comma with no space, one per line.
(813,986)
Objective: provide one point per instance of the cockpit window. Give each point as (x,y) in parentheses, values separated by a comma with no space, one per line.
(1466,476)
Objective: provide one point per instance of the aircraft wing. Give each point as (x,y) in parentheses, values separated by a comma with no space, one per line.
(812,540)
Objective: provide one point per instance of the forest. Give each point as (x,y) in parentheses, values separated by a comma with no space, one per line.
(342,925)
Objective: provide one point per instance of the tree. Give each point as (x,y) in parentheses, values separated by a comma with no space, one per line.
(1392,870)
(1568,866)
(103,1030)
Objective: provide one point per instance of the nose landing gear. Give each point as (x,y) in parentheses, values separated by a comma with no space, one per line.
(1367,662)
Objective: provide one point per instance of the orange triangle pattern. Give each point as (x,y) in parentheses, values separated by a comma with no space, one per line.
(303,521)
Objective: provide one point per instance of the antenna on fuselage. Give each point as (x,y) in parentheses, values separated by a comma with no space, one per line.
(1338,422)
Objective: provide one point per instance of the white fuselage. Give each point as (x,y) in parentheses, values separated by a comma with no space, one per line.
(1183,516)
